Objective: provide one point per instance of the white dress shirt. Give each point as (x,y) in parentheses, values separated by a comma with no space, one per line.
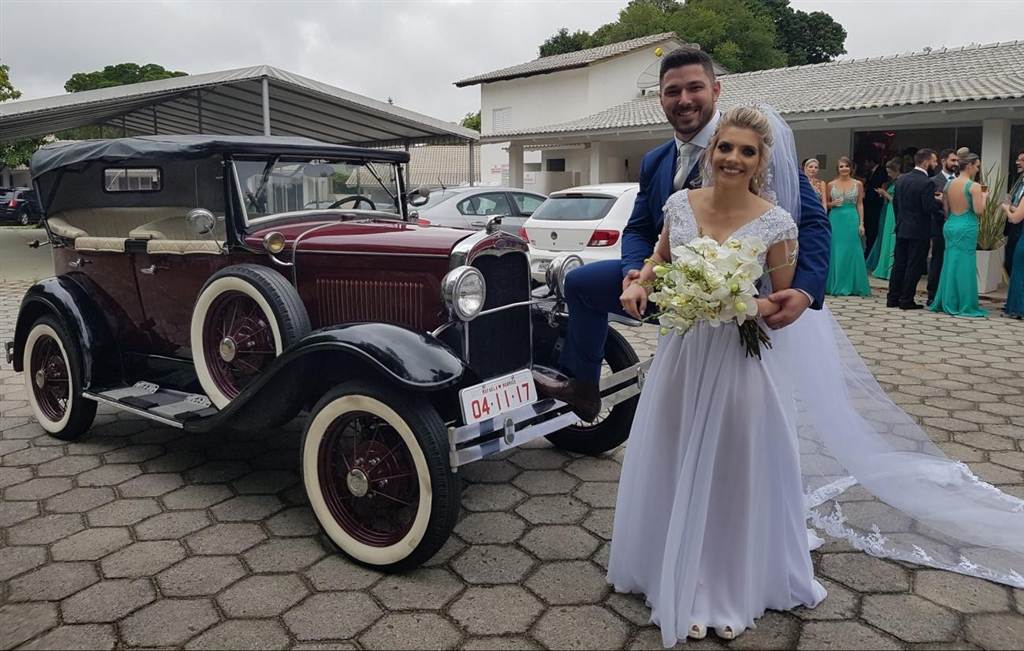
(689,151)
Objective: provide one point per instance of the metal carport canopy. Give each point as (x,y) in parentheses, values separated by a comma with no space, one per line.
(256,100)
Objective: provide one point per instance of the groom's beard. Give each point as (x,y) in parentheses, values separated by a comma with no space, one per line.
(691,123)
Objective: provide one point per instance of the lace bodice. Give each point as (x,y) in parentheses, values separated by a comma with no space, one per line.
(775,225)
(847,197)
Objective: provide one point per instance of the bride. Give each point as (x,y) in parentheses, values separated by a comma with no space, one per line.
(730,457)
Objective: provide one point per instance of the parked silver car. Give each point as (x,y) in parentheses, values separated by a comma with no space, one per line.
(471,207)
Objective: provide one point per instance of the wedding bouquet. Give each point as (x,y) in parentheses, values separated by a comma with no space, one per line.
(706,281)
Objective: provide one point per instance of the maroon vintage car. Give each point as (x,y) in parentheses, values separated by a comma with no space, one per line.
(207,282)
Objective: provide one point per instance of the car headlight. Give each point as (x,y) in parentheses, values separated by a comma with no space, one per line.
(559,269)
(464,291)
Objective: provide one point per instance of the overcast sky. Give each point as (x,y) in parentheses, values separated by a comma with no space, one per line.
(410,50)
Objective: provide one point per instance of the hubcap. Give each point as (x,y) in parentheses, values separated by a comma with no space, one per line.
(228,349)
(40,378)
(358,483)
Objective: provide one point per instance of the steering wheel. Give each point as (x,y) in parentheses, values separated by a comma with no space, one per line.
(356,199)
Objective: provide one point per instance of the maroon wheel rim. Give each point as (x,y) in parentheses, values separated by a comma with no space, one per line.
(238,342)
(51,381)
(368,479)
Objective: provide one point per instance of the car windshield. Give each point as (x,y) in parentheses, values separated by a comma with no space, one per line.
(271,187)
(439,195)
(574,207)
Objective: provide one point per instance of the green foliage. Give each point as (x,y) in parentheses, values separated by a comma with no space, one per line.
(992,220)
(805,37)
(562,42)
(13,154)
(7,89)
(119,75)
(472,121)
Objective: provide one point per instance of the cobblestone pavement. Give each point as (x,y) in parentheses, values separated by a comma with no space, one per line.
(140,536)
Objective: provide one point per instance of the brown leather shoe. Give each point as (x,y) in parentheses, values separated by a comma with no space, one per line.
(583,397)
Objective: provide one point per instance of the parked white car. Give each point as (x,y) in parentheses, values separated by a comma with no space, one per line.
(586,220)
(471,207)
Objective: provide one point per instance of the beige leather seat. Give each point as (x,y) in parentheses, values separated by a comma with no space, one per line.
(172,235)
(107,229)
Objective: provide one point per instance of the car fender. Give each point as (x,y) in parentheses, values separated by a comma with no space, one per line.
(63,298)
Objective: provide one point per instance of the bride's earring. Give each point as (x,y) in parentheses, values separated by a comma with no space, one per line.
(697,632)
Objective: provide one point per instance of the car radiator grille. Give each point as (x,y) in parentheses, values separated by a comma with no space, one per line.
(346,301)
(500,343)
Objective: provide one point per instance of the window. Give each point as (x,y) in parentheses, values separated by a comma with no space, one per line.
(485,204)
(575,207)
(527,203)
(501,119)
(555,164)
(132,179)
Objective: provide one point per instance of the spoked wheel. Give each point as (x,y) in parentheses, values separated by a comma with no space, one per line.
(245,316)
(54,382)
(376,470)
(611,427)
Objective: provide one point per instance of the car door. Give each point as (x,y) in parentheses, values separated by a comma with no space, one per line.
(524,203)
(478,208)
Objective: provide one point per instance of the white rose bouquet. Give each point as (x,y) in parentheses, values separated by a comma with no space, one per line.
(709,282)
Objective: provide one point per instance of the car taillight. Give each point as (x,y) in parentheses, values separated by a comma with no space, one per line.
(603,238)
(423,222)
(522,233)
(13,203)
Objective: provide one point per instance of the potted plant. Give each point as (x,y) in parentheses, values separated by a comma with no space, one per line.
(991,240)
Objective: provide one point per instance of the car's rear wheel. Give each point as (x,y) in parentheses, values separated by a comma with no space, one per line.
(611,427)
(53,379)
(245,316)
(377,473)
(23,219)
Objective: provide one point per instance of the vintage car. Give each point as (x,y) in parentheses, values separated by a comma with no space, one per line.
(211,282)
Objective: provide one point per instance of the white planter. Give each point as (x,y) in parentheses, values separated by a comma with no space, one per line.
(990,269)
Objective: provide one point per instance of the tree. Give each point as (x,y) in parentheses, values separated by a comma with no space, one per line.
(472,121)
(563,42)
(735,35)
(7,90)
(119,75)
(805,37)
(13,154)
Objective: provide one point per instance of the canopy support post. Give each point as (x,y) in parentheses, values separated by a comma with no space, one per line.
(199,110)
(408,168)
(266,106)
(124,126)
(156,127)
(470,148)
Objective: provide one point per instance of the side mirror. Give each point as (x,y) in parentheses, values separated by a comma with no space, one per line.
(419,196)
(201,221)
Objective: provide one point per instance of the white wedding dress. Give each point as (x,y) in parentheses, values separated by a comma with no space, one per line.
(710,520)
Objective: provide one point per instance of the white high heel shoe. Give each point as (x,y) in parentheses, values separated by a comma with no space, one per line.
(726,633)
(697,632)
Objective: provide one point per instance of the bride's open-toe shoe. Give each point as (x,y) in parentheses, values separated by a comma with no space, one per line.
(697,632)
(726,633)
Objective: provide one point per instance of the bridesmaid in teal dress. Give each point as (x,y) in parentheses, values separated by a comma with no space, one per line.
(1014,307)
(847,272)
(958,283)
(880,260)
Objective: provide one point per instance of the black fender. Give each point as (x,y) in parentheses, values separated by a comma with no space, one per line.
(78,312)
(411,360)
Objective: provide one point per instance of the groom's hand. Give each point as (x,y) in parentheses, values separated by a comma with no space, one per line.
(792,303)
(631,275)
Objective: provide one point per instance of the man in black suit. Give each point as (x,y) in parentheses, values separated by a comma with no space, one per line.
(948,169)
(875,177)
(915,207)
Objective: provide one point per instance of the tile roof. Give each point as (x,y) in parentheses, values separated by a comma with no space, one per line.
(434,165)
(970,73)
(567,61)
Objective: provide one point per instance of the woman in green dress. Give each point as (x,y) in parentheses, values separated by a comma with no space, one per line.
(880,260)
(847,272)
(958,283)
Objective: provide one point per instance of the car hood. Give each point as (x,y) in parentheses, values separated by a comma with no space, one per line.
(364,236)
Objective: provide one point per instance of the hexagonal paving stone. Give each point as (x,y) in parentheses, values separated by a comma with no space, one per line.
(200,575)
(546,482)
(488,472)
(600,522)
(266,482)
(580,627)
(242,634)
(338,573)
(963,593)
(542,459)
(38,489)
(170,622)
(247,508)
(599,494)
(285,555)
(492,564)
(133,454)
(839,604)
(296,521)
(559,542)
(490,497)
(21,622)
(123,512)
(552,509)
(396,630)
(595,469)
(171,526)
(503,643)
(865,573)
(496,611)
(152,484)
(67,466)
(196,497)
(52,582)
(231,538)
(80,500)
(31,456)
(107,601)
(482,528)
(109,475)
(142,559)
(44,529)
(15,512)
(12,476)
(909,618)
(774,630)
(423,589)
(76,636)
(569,582)
(17,560)
(1001,631)
(843,635)
(307,621)
(262,596)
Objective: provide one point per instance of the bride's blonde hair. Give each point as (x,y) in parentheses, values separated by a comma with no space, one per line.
(743,117)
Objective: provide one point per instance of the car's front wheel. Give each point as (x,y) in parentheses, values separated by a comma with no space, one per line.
(376,470)
(53,379)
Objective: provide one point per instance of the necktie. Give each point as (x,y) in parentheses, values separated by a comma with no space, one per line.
(684,163)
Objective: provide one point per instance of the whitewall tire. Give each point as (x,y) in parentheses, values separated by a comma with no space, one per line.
(53,380)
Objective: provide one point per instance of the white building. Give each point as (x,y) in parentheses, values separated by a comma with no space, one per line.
(556,125)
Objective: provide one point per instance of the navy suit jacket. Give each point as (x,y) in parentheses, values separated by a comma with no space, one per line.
(657,171)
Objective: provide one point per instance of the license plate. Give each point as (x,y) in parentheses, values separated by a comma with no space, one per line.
(543,265)
(494,397)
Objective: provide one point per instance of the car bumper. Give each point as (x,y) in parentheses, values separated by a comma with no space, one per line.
(540,259)
(470,443)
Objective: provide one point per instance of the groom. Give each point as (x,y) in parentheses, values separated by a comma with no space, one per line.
(689,93)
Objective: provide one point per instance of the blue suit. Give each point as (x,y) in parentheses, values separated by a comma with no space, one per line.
(592,292)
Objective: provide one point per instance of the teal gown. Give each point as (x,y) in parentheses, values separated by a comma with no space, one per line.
(958,283)
(847,271)
(1015,294)
(886,240)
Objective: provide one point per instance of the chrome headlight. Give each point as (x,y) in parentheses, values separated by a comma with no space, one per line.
(559,269)
(464,291)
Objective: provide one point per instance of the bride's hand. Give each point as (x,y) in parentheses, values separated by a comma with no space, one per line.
(634,301)
(766,307)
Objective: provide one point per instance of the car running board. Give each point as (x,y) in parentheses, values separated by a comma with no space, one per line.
(148,400)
